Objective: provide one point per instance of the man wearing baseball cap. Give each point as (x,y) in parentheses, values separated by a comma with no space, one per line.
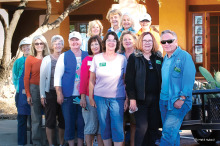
(23,107)
(145,22)
(66,82)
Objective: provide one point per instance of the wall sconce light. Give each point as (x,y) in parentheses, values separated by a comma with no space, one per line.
(57,1)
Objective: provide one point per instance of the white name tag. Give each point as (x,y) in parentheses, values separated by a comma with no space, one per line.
(89,63)
(23,91)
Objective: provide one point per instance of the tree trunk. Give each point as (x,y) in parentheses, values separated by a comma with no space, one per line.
(73,6)
(9,34)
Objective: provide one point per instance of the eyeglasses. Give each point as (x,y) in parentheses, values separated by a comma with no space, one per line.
(148,41)
(150,65)
(167,41)
(36,44)
(109,40)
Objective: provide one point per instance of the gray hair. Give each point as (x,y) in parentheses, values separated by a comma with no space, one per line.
(57,37)
(170,32)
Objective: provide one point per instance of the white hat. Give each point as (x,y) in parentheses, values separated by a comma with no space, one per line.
(75,34)
(25,41)
(145,17)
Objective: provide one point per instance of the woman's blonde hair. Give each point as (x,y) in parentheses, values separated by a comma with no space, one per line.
(122,49)
(139,44)
(91,24)
(113,12)
(46,50)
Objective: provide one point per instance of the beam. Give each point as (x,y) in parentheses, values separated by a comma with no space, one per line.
(1,1)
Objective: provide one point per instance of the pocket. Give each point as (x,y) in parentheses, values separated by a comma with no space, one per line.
(176,74)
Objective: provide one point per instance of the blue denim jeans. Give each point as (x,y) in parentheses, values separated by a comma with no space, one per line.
(72,114)
(110,115)
(172,120)
(22,129)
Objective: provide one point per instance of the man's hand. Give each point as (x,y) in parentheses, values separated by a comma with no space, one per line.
(133,105)
(179,103)
(29,100)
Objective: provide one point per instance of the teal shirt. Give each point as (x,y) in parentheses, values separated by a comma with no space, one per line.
(180,79)
(164,94)
(17,71)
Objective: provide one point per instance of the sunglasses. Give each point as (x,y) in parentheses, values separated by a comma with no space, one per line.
(150,65)
(36,44)
(167,41)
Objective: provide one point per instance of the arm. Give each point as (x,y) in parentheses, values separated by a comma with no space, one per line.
(130,82)
(59,70)
(91,89)
(43,75)
(84,82)
(28,66)
(188,78)
(15,74)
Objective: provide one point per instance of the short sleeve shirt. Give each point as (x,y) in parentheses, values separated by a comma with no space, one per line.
(109,76)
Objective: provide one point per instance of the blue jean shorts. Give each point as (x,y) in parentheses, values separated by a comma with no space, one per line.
(90,117)
(110,115)
(72,114)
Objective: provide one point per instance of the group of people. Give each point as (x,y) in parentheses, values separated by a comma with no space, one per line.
(101,83)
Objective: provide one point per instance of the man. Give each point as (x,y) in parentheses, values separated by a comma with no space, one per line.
(114,17)
(66,82)
(178,76)
(145,22)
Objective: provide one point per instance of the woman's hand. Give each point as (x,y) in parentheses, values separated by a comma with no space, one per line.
(29,100)
(126,104)
(83,101)
(133,105)
(92,102)
(43,101)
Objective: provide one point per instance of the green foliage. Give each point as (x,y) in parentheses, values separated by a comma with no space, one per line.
(208,76)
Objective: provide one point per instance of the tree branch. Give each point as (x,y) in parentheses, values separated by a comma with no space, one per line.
(73,6)
(2,20)
(48,12)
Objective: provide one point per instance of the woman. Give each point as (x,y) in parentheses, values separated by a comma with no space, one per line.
(20,98)
(107,83)
(48,92)
(143,81)
(128,40)
(89,113)
(127,23)
(95,28)
(66,82)
(39,49)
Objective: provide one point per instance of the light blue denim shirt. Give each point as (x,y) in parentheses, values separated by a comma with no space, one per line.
(164,94)
(181,77)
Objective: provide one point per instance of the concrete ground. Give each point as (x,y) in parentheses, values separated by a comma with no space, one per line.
(8,135)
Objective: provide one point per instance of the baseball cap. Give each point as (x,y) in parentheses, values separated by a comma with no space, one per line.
(25,41)
(145,17)
(75,34)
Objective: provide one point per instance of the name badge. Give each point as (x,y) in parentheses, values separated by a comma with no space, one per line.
(158,62)
(177,69)
(23,91)
(102,64)
(89,63)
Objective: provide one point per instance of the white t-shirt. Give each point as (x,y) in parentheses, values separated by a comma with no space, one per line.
(109,76)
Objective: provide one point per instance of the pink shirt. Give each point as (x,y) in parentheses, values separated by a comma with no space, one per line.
(85,75)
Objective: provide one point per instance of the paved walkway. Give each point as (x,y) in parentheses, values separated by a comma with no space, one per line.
(8,133)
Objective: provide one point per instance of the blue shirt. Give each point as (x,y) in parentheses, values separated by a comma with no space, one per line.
(164,95)
(181,78)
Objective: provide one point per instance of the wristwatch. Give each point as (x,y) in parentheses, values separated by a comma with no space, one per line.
(182,99)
